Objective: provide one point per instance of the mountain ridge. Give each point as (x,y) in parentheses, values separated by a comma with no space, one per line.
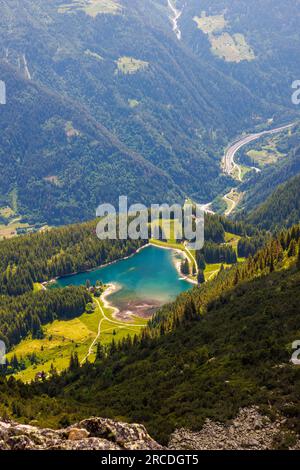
(171,113)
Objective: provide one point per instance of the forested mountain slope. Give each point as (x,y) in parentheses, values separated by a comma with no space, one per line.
(121,62)
(281,209)
(259,186)
(234,336)
(256,42)
(43,256)
(62,162)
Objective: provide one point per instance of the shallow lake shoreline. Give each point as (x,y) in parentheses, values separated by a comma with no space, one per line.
(177,265)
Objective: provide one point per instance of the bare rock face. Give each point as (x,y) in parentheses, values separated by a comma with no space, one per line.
(90,434)
(78,434)
(250,430)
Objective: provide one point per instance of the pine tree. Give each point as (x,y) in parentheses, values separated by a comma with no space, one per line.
(100,352)
(201,262)
(272,267)
(201,278)
(113,348)
(298,257)
(185,268)
(190,311)
(74,361)
(292,251)
(53,371)
(15,362)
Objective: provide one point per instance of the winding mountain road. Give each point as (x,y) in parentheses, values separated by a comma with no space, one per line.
(231,202)
(230,165)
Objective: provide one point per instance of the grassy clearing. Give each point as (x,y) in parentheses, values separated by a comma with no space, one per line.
(11,223)
(232,239)
(171,229)
(129,65)
(231,48)
(6,212)
(210,24)
(61,338)
(10,230)
(266,154)
(244,171)
(53,179)
(70,130)
(212,270)
(37,287)
(133,103)
(232,200)
(92,7)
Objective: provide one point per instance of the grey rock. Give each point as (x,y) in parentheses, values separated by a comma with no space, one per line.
(250,430)
(90,434)
(127,436)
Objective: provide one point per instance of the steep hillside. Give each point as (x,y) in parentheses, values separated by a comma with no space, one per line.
(283,163)
(256,42)
(62,163)
(123,65)
(44,256)
(235,338)
(281,209)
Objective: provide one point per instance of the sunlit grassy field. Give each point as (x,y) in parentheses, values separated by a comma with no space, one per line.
(231,48)
(129,65)
(232,239)
(267,153)
(62,338)
(10,230)
(210,24)
(91,7)
(6,212)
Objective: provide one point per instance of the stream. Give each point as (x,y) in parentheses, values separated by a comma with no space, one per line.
(176,14)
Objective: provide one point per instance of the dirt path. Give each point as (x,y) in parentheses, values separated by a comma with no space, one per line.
(94,342)
(214,273)
(192,258)
(232,203)
(104,317)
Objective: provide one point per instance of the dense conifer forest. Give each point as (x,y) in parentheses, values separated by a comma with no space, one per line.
(44,256)
(232,334)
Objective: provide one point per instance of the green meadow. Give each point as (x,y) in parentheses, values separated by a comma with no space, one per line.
(62,338)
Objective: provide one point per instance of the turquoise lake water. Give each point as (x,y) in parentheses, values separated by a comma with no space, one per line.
(145,281)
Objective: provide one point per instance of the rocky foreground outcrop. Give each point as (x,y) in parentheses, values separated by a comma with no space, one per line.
(90,434)
(250,430)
